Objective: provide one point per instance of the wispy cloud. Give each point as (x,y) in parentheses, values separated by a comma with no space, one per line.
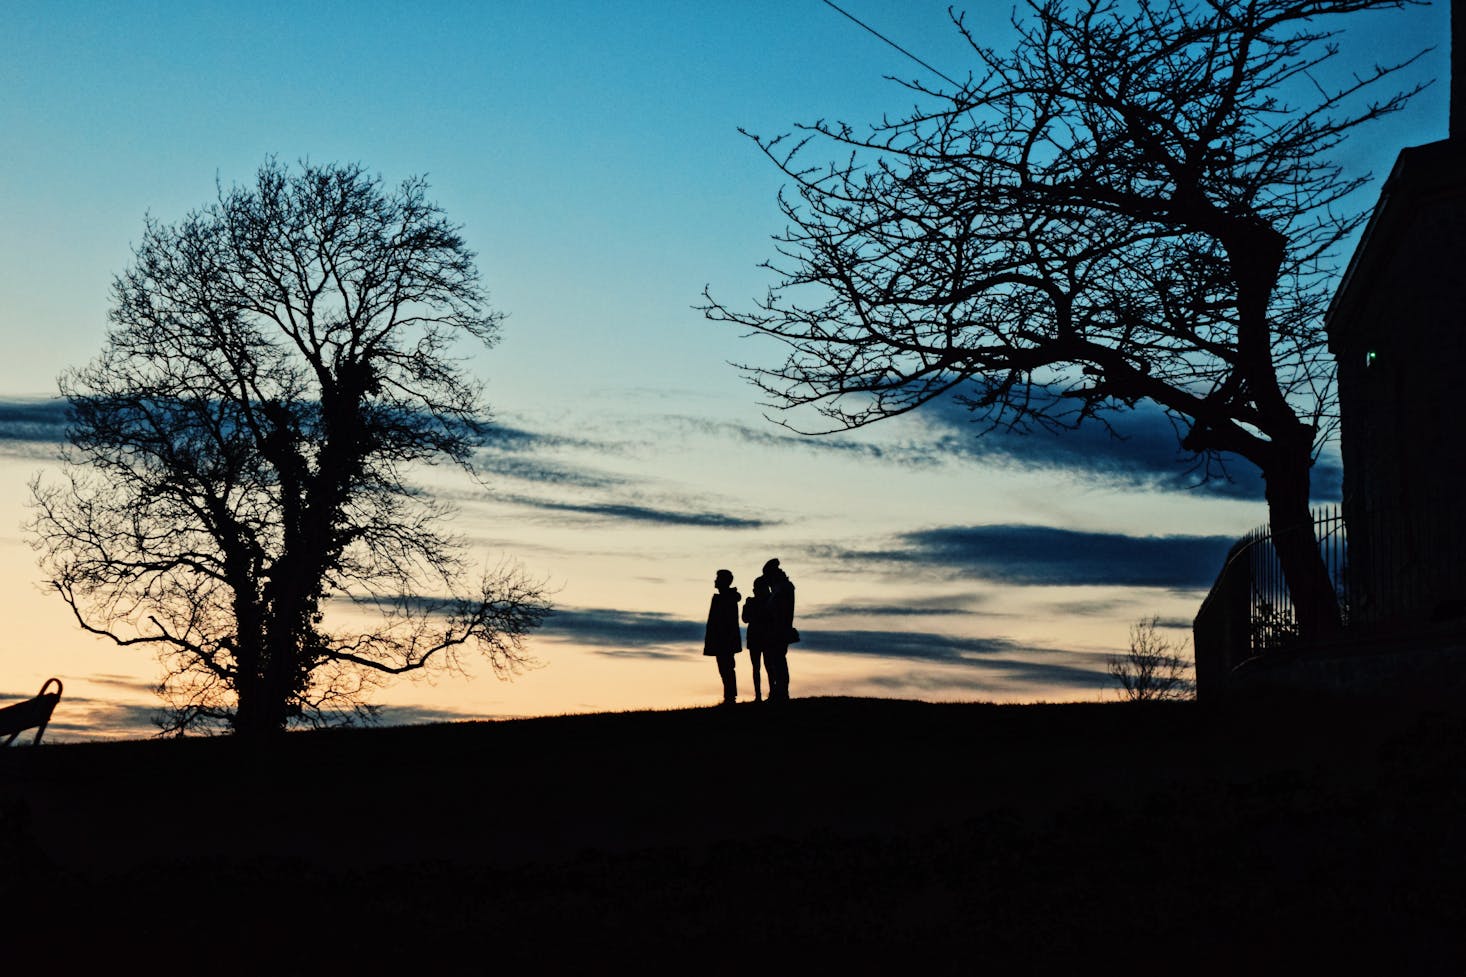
(1090,608)
(545,471)
(640,633)
(629,512)
(1042,555)
(32,428)
(521,454)
(771,434)
(499,436)
(1143,452)
(126,683)
(994,656)
(945,605)
(79,718)
(31,420)
(411,715)
(884,610)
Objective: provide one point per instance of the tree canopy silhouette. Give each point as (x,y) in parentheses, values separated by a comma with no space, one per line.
(237,488)
(1136,204)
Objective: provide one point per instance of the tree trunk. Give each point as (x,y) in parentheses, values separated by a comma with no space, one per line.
(1256,251)
(282,642)
(252,710)
(261,712)
(1291,522)
(264,700)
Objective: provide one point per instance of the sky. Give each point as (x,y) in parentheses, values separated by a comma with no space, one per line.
(591,153)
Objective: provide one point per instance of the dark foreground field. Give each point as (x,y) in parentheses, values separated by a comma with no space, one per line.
(833,835)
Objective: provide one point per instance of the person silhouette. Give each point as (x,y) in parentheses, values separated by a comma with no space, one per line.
(779,624)
(755,615)
(723,639)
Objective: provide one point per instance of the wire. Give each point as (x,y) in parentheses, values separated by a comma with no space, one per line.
(893,44)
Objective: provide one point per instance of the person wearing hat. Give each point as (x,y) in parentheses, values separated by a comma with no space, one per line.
(723,639)
(779,630)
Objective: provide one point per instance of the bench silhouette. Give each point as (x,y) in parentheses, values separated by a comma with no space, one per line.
(30,714)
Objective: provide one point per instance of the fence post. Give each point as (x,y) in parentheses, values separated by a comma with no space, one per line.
(1221,632)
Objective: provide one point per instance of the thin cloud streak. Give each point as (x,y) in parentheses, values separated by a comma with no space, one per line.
(1002,659)
(416,715)
(633,632)
(1045,556)
(628,512)
(80,718)
(1142,452)
(944,605)
(886,610)
(33,421)
(917,645)
(906,454)
(540,471)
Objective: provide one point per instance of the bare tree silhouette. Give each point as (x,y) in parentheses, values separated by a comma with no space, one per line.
(1152,668)
(1135,204)
(237,490)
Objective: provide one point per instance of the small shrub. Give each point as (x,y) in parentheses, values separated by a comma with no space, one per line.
(1152,669)
(1274,628)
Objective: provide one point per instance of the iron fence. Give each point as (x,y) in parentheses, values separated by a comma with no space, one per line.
(1272,618)
(1395,570)
(1407,565)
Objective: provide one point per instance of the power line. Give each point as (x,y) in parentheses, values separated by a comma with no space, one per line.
(893,44)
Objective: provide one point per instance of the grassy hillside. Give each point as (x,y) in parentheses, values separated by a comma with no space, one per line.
(834,833)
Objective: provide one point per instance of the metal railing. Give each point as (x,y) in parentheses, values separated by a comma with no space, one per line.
(1406,568)
(1272,618)
(1249,612)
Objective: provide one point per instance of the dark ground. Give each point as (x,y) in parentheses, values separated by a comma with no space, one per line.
(833,835)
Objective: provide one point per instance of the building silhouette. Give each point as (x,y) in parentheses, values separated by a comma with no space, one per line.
(1397,328)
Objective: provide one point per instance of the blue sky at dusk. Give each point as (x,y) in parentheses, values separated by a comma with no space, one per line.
(591,153)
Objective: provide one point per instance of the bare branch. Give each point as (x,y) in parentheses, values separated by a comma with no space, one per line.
(277,362)
(1130,206)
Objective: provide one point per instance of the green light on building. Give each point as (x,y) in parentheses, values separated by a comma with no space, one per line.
(1369,357)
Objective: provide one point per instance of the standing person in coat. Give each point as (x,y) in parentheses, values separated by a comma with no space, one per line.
(723,640)
(755,615)
(779,622)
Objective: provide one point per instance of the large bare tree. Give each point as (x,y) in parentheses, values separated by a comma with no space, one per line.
(238,489)
(1138,203)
